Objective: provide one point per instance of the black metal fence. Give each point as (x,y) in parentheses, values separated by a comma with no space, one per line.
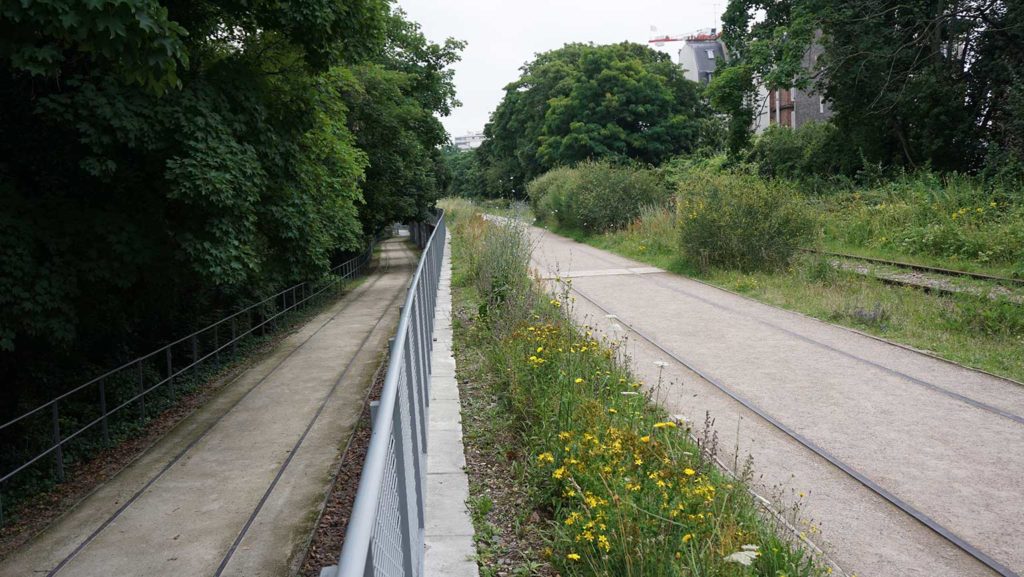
(116,404)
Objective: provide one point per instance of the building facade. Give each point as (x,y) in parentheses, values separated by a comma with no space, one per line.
(468,141)
(700,55)
(791,107)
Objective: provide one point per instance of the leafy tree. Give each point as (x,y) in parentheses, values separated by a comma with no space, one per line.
(464,167)
(163,161)
(621,102)
(914,83)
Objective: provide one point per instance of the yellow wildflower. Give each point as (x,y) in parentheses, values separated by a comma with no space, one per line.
(573,557)
(665,425)
(558,473)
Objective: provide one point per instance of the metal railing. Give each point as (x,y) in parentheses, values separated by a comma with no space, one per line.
(97,401)
(385,533)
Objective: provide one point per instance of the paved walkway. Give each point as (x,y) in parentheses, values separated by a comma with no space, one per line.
(946,440)
(236,487)
(450,551)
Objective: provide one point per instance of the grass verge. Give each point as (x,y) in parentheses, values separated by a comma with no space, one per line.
(607,483)
(971,330)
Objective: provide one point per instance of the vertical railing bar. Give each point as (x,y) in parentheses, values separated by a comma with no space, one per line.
(142,394)
(59,453)
(170,371)
(104,427)
(195,354)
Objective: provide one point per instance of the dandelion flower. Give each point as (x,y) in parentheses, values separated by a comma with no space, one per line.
(665,425)
(689,472)
(573,557)
(687,538)
(579,380)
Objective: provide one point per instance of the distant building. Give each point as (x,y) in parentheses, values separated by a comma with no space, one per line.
(792,107)
(468,141)
(701,54)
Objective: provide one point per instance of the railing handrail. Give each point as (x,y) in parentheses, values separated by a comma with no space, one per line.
(178,341)
(359,532)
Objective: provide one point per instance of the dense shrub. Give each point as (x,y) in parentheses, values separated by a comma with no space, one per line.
(737,220)
(810,151)
(595,196)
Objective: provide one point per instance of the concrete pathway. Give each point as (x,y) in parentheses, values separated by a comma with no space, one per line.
(236,488)
(450,551)
(947,440)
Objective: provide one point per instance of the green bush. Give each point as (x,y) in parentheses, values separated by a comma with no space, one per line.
(595,197)
(737,220)
(810,151)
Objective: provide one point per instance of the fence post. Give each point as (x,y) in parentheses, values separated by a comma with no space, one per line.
(195,354)
(170,370)
(55,411)
(142,395)
(103,412)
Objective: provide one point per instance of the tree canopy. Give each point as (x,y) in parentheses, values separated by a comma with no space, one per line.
(162,160)
(915,84)
(621,102)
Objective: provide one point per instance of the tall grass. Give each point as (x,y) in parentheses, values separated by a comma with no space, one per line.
(595,197)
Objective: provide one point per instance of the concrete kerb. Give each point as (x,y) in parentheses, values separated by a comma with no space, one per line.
(450,550)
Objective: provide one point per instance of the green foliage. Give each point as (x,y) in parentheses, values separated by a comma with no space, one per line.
(595,196)
(812,150)
(162,162)
(618,102)
(915,84)
(466,178)
(737,220)
(960,218)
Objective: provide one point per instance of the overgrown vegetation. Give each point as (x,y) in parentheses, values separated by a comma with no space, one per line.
(739,221)
(162,163)
(625,490)
(595,196)
(913,84)
(618,102)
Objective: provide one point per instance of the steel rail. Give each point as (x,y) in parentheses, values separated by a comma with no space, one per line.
(178,456)
(907,508)
(931,386)
(919,267)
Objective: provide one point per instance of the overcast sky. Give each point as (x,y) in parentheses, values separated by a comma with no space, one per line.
(503,35)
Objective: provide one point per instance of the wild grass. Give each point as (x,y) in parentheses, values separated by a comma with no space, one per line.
(972,330)
(955,221)
(623,489)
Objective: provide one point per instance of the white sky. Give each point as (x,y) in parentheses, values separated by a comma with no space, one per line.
(503,35)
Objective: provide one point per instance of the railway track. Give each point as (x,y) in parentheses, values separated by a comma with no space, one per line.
(905,506)
(83,543)
(922,268)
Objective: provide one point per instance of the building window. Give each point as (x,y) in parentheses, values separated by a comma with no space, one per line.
(711,54)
